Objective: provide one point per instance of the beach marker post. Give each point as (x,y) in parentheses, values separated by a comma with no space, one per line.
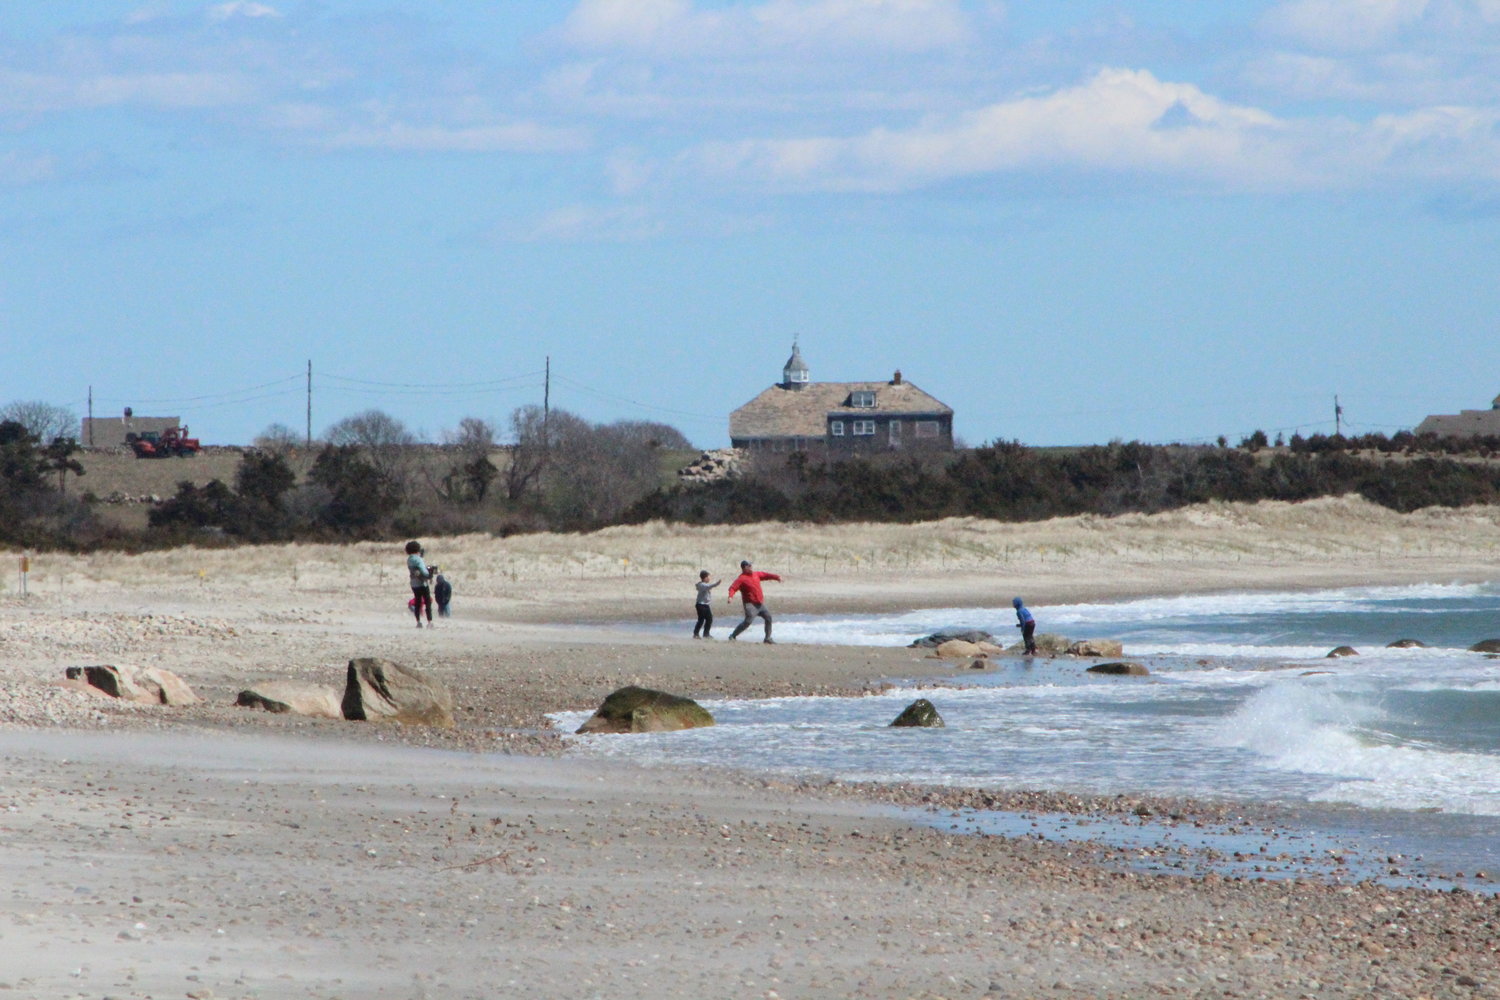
(25,569)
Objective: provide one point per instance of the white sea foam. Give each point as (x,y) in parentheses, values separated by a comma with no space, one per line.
(1240,699)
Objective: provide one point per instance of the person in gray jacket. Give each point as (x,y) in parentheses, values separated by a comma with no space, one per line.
(704,607)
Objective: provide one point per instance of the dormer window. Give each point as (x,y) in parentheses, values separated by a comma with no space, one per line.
(862,398)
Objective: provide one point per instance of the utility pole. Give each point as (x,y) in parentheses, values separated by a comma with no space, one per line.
(1338,418)
(546,404)
(309,404)
(91,416)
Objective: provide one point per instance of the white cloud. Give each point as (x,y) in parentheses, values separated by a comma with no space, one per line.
(1129,124)
(681,28)
(1345,24)
(582,223)
(241,8)
(1441,143)
(1308,77)
(39,93)
(1119,121)
(512,137)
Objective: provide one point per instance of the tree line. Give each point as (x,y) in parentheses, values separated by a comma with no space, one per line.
(1011,482)
(371,478)
(368,478)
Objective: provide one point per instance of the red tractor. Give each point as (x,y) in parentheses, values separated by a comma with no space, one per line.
(163,444)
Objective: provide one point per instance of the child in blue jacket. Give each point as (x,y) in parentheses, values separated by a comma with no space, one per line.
(1026,622)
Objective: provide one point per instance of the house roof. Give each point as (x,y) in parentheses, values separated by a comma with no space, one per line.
(109,432)
(783,412)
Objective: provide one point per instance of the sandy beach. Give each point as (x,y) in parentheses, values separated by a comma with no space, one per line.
(215,851)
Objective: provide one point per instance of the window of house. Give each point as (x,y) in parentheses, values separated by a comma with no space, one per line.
(895,430)
(864,427)
(836,428)
(863,398)
(928,429)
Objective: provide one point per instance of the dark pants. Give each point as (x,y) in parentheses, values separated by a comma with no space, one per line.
(1028,636)
(705,620)
(753,611)
(423,596)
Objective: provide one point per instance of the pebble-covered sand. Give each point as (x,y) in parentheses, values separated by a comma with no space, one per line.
(214,851)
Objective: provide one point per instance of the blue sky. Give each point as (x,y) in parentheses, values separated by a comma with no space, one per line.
(1072,222)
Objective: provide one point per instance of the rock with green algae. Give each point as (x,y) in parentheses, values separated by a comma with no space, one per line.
(1047,643)
(642,710)
(1122,669)
(920,713)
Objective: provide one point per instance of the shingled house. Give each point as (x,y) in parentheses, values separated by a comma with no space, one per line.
(798,414)
(114,432)
(1465,423)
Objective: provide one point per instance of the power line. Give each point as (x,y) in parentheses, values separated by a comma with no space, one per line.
(435,385)
(166,401)
(447,394)
(633,402)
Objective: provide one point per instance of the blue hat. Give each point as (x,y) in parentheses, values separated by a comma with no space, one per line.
(1015,602)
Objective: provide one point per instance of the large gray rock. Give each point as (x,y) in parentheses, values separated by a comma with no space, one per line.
(318,701)
(642,710)
(1046,642)
(1123,669)
(1339,651)
(377,690)
(920,713)
(942,635)
(142,685)
(1096,647)
(958,649)
(1486,646)
(1406,644)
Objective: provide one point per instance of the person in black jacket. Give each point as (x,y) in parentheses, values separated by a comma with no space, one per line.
(442,592)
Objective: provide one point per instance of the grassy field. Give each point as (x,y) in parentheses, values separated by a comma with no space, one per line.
(109,472)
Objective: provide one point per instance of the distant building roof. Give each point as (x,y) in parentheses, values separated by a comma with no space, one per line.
(781,411)
(110,432)
(1465,423)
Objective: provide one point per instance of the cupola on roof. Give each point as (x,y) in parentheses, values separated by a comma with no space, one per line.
(794,372)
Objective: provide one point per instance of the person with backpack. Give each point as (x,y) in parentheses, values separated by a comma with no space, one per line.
(417,572)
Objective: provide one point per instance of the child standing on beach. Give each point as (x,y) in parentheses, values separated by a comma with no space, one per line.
(442,592)
(704,607)
(1026,622)
(416,569)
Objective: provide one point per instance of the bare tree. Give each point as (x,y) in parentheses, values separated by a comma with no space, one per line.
(468,479)
(384,440)
(278,439)
(46,421)
(648,433)
(474,437)
(528,456)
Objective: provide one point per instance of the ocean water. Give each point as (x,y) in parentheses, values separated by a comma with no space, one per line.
(1399,746)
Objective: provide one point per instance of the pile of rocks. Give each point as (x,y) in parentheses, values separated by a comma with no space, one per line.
(712,466)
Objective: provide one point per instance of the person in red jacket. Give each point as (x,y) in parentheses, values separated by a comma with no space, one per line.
(748,584)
